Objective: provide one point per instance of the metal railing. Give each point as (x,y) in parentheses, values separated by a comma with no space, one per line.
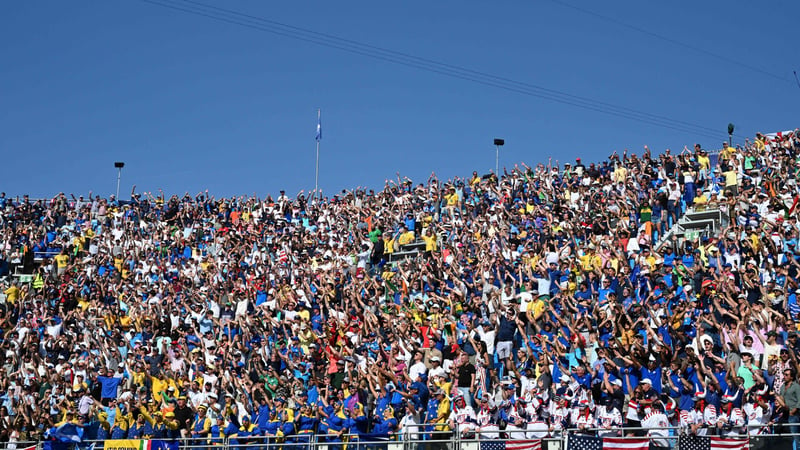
(441,440)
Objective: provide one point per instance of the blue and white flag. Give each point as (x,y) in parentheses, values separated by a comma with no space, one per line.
(319,126)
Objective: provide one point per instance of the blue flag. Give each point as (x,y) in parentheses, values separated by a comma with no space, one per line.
(156,444)
(319,126)
(66,432)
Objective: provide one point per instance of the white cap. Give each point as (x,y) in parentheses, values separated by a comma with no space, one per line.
(564,378)
(617,382)
(647,380)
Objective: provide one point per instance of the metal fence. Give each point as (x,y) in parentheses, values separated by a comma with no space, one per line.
(438,441)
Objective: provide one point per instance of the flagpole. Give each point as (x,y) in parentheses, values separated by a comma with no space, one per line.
(316,173)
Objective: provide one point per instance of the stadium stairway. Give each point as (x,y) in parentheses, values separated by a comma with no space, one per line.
(703,221)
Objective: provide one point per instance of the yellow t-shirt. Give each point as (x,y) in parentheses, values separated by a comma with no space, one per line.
(620,174)
(12,294)
(452,199)
(160,386)
(731,178)
(61,261)
(388,245)
(704,161)
(591,261)
(537,308)
(406,238)
(443,413)
(430,243)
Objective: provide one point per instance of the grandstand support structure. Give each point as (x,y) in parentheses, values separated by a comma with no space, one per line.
(695,223)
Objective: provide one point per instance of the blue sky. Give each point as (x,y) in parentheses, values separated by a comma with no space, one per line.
(191,103)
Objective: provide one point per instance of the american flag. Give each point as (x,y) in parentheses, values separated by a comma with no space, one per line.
(688,442)
(535,444)
(626,443)
(718,443)
(582,442)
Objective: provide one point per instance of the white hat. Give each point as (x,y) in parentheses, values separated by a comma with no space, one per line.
(564,378)
(647,381)
(617,382)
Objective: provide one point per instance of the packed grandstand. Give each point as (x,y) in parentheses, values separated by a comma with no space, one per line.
(572,298)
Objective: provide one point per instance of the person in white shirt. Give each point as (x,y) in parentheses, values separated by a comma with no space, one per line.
(559,415)
(537,426)
(486,419)
(463,418)
(418,368)
(582,417)
(437,370)
(731,420)
(608,419)
(758,414)
(657,424)
(408,428)
(517,422)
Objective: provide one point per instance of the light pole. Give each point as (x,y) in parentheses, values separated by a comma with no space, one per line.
(731,127)
(497,144)
(119,165)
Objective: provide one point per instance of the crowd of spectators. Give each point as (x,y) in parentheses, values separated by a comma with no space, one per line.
(545,300)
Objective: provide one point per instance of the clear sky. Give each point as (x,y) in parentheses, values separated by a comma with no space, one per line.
(191,103)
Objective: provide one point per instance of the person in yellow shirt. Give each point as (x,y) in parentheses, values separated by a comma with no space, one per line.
(590,260)
(405,236)
(452,201)
(62,260)
(536,309)
(727,152)
(704,161)
(475,180)
(431,243)
(160,383)
(12,294)
(442,415)
(701,201)
(620,174)
(731,181)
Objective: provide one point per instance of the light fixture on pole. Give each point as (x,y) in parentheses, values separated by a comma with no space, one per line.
(119,165)
(497,144)
(731,127)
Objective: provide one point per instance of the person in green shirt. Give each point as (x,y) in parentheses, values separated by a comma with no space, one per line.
(745,371)
(789,401)
(375,234)
(645,212)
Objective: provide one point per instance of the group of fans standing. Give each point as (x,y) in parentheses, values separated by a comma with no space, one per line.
(550,298)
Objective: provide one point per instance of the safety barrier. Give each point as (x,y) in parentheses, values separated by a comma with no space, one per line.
(438,441)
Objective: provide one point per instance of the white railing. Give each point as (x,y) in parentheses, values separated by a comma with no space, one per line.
(429,440)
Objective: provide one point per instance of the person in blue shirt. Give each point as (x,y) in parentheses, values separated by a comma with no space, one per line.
(582,376)
(220,429)
(335,423)
(246,434)
(651,371)
(306,422)
(109,385)
(273,429)
(385,425)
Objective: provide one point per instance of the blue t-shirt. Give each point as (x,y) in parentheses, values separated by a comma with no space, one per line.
(109,386)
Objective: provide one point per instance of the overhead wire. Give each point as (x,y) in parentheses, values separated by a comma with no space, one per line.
(672,41)
(444,65)
(379,53)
